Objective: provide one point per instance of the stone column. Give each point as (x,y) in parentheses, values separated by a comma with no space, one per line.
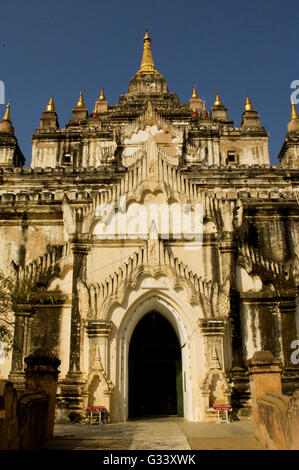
(23,316)
(264,372)
(98,333)
(227,249)
(71,397)
(80,250)
(41,376)
(215,386)
(213,330)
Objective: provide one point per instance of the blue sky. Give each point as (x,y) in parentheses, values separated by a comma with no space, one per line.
(235,47)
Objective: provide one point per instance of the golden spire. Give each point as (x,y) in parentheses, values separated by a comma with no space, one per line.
(6,116)
(204,111)
(147,63)
(6,124)
(294,114)
(217,101)
(102,96)
(51,106)
(95,111)
(248,106)
(80,103)
(194,93)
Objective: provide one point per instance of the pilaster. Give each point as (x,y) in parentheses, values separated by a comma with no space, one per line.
(23,316)
(72,387)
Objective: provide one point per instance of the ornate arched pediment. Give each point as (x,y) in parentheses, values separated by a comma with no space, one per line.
(151,117)
(154,260)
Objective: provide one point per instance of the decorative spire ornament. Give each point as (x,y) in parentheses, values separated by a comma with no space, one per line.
(49,117)
(80,103)
(101,105)
(204,111)
(195,101)
(147,63)
(102,96)
(194,93)
(80,111)
(250,118)
(6,124)
(51,106)
(6,116)
(293,124)
(294,114)
(248,106)
(217,101)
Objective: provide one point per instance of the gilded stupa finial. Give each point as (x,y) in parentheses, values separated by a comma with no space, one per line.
(217,101)
(248,106)
(147,63)
(102,96)
(80,103)
(6,116)
(147,36)
(194,93)
(294,114)
(6,124)
(51,106)
(204,111)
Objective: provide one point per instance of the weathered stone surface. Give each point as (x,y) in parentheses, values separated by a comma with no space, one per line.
(275,416)
(27,418)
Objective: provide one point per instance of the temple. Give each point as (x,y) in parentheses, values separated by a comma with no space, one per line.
(162,248)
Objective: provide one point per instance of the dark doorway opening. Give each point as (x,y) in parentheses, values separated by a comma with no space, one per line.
(155,369)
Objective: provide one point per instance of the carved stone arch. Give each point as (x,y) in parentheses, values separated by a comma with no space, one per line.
(146,189)
(136,277)
(97,215)
(165,306)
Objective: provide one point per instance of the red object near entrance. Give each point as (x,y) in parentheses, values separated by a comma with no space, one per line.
(98,414)
(96,409)
(222,407)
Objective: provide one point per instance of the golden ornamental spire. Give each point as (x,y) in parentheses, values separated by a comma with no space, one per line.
(217,101)
(6,124)
(6,116)
(147,63)
(51,106)
(204,111)
(80,103)
(102,96)
(194,93)
(294,114)
(248,106)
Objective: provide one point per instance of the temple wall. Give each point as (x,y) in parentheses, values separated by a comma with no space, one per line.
(203,260)
(250,151)
(44,153)
(24,243)
(104,259)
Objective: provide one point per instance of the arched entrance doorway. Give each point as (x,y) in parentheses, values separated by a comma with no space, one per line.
(155,368)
